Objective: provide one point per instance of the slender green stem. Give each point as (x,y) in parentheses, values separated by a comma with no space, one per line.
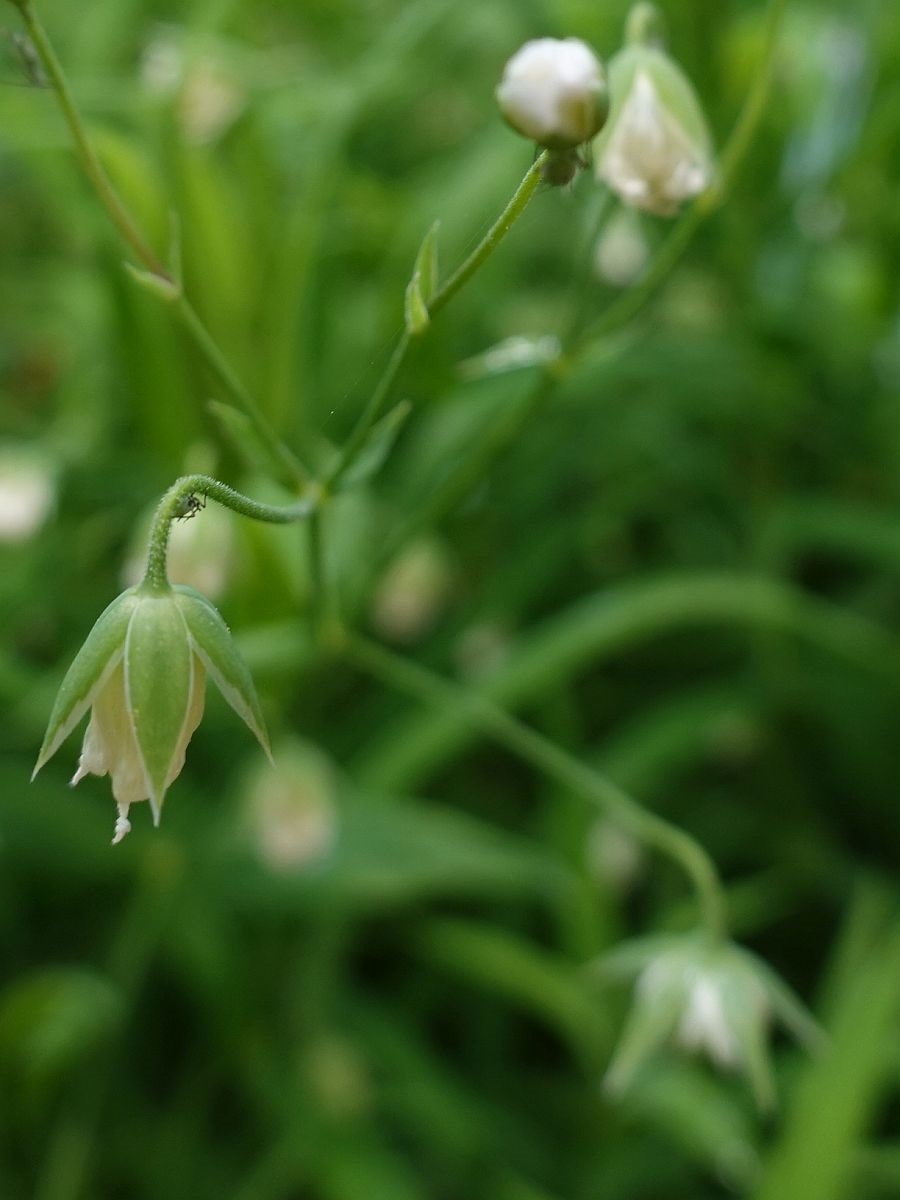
(322,618)
(581,335)
(555,763)
(180,501)
(286,466)
(93,168)
(492,239)
(463,273)
(371,412)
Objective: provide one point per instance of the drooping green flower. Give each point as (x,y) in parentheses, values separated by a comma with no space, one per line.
(142,673)
(704,997)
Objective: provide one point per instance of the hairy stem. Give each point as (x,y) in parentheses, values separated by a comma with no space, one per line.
(179,502)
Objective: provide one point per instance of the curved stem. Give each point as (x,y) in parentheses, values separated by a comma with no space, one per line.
(285,465)
(444,294)
(554,762)
(177,504)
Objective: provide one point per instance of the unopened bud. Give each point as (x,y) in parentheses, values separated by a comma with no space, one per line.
(554,92)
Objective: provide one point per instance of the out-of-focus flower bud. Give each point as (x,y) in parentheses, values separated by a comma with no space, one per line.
(291,813)
(622,250)
(655,151)
(554,92)
(142,673)
(413,591)
(26,495)
(210,96)
(614,856)
(706,997)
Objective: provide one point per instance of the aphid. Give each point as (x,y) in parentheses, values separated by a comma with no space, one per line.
(189,506)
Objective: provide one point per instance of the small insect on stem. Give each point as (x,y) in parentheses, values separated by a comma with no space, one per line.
(189,506)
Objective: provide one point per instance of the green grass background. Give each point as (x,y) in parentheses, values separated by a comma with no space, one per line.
(685,568)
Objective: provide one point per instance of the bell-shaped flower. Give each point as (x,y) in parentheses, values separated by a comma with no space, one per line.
(554,92)
(655,151)
(142,673)
(713,998)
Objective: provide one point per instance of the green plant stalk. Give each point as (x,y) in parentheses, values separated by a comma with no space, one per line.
(93,168)
(495,440)
(174,506)
(554,762)
(322,618)
(286,465)
(463,273)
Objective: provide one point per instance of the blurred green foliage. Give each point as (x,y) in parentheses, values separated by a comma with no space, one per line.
(363,979)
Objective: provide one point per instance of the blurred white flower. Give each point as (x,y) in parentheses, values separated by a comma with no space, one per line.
(27,493)
(705,997)
(622,251)
(211,101)
(291,808)
(210,97)
(413,591)
(554,92)
(650,159)
(614,856)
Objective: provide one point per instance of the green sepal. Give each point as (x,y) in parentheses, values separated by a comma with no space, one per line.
(423,284)
(94,663)
(214,645)
(650,1025)
(676,94)
(159,676)
(373,452)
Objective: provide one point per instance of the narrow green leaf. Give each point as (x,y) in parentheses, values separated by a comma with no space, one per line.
(415,308)
(422,285)
(427,262)
(375,449)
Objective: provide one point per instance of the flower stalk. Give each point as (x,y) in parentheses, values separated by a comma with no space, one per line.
(444,294)
(176,505)
(556,764)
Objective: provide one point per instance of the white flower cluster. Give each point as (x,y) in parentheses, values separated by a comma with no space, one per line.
(652,144)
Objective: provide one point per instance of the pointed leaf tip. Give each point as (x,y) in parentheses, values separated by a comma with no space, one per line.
(422,285)
(215,648)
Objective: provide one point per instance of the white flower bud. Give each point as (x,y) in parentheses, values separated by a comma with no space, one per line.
(655,151)
(554,92)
